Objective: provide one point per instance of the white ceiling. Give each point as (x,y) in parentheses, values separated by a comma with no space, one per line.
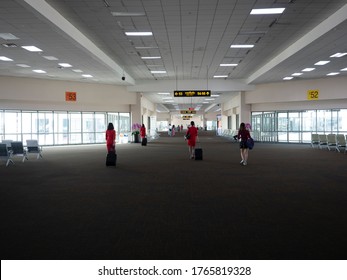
(192,37)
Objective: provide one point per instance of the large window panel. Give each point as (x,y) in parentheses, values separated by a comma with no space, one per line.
(13,125)
(61,128)
(88,127)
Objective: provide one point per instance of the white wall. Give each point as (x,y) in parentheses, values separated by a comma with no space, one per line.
(292,95)
(41,94)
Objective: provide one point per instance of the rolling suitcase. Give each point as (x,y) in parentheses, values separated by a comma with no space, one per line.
(144,141)
(111,158)
(198,154)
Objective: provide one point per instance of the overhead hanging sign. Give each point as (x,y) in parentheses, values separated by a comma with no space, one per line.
(313,94)
(188,112)
(186,117)
(192,93)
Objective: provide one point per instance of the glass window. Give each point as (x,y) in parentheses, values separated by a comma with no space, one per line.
(88,127)
(61,128)
(13,125)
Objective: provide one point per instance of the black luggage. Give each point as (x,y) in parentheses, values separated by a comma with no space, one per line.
(198,154)
(111,158)
(144,141)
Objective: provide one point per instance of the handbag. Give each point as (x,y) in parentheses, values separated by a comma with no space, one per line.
(187,136)
(250,143)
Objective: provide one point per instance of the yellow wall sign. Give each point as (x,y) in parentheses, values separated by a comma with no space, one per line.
(313,94)
(70,96)
(192,93)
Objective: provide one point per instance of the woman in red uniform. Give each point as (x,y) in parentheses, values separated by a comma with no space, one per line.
(110,138)
(243,135)
(143,131)
(193,134)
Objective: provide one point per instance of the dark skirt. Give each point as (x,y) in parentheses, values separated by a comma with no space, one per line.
(243,145)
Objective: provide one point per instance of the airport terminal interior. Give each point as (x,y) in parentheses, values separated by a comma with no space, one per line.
(69,68)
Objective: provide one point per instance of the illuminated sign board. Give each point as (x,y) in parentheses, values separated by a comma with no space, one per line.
(192,93)
(188,112)
(70,96)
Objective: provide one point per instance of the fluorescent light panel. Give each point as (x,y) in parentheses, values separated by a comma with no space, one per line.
(338,55)
(87,76)
(344,69)
(39,71)
(138,33)
(158,72)
(32,48)
(288,78)
(322,62)
(128,14)
(50,57)
(163,93)
(268,11)
(23,65)
(241,46)
(228,64)
(333,74)
(4,58)
(220,76)
(308,69)
(66,65)
(296,74)
(150,57)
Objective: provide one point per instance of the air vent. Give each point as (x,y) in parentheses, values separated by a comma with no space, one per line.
(9,45)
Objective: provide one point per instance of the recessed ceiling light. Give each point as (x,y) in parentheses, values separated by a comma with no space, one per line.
(214,95)
(296,74)
(128,14)
(87,76)
(241,46)
(322,62)
(338,55)
(269,11)
(66,65)
(288,78)
(308,69)
(158,72)
(23,65)
(167,98)
(228,64)
(138,33)
(150,57)
(77,70)
(344,69)
(39,71)
(333,74)
(32,48)
(50,57)
(220,76)
(164,93)
(4,58)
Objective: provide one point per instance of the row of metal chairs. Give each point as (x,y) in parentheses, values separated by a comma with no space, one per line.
(10,149)
(329,141)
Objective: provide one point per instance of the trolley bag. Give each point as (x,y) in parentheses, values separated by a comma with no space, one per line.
(198,154)
(111,158)
(144,141)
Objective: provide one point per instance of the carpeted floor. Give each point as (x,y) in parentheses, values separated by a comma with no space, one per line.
(289,202)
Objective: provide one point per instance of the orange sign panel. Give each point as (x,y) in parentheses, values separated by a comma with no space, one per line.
(70,96)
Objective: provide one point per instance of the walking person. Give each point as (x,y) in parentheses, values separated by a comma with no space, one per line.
(110,138)
(191,135)
(243,135)
(143,131)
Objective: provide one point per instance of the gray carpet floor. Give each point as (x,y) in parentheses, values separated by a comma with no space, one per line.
(289,202)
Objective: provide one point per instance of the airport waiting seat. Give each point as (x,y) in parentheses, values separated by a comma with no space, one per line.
(33,147)
(8,143)
(314,140)
(340,142)
(323,141)
(331,143)
(5,154)
(18,150)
